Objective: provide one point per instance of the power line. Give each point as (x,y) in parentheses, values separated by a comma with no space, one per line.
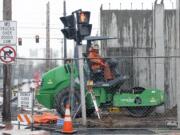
(58,28)
(115,57)
(29,27)
(41,38)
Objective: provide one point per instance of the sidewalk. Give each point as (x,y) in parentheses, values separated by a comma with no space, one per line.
(15,131)
(95,131)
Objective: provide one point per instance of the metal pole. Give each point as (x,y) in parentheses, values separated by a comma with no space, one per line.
(7,69)
(82,89)
(47,37)
(178,61)
(65,43)
(32,109)
(19,126)
(72,88)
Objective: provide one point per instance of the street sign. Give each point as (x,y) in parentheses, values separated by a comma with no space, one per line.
(25,99)
(7,54)
(8,32)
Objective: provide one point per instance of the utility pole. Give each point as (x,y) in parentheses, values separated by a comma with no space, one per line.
(47,37)
(65,42)
(7,68)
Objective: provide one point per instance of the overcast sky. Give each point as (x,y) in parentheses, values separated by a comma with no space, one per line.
(31,18)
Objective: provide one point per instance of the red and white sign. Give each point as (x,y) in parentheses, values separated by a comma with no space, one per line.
(25,118)
(7,54)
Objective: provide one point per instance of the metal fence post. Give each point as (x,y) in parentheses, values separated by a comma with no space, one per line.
(32,109)
(19,125)
(72,87)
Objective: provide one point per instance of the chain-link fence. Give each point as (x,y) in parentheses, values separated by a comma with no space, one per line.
(144,74)
(26,74)
(140,93)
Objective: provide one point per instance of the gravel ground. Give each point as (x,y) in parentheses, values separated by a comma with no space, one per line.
(124,120)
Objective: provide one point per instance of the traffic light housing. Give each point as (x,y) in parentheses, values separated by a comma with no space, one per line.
(19,41)
(76,26)
(84,28)
(37,38)
(69,30)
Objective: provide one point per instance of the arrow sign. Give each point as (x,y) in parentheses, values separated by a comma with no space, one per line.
(7,54)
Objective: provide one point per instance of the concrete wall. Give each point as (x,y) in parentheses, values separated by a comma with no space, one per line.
(144,33)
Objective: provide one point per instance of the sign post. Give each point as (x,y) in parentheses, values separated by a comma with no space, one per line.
(7,69)
(26,100)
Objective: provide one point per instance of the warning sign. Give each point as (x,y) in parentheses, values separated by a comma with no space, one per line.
(25,99)
(7,54)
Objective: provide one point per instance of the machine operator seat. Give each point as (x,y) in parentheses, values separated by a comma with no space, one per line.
(113,66)
(97,75)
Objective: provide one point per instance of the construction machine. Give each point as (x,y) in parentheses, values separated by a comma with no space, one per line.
(56,83)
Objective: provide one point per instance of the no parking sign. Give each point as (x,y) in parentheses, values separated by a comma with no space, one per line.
(7,54)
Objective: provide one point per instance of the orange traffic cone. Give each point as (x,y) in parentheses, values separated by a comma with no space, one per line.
(67,127)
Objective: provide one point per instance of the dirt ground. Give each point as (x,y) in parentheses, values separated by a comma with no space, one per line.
(123,120)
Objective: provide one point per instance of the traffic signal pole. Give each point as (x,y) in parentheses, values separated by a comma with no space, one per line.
(76,27)
(7,68)
(82,89)
(81,75)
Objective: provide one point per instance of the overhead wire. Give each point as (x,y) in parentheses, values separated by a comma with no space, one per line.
(41,38)
(115,57)
(31,27)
